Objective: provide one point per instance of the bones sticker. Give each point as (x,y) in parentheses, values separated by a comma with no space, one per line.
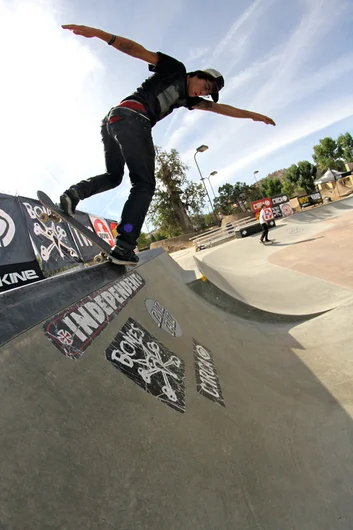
(145,360)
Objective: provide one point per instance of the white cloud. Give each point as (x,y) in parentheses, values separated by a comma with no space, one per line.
(229,38)
(315,121)
(196,53)
(46,131)
(285,79)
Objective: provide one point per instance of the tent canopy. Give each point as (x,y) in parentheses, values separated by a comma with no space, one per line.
(329,176)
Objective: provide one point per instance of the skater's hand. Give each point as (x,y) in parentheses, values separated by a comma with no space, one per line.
(84,31)
(265,119)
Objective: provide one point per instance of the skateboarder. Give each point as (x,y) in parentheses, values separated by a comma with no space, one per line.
(126,132)
(264,226)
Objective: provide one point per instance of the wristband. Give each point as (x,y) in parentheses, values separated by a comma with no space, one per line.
(112,40)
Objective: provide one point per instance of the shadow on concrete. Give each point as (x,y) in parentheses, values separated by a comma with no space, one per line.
(223,301)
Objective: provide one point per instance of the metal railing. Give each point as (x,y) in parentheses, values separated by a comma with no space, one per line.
(222,233)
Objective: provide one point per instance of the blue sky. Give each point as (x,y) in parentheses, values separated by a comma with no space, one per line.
(292,61)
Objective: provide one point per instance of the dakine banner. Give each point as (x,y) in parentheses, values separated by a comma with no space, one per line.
(19,274)
(18,265)
(15,244)
(54,241)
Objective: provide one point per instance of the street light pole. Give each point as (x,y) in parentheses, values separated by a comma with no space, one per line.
(202,149)
(255,173)
(209,180)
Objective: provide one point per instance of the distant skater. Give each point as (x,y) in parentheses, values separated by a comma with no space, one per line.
(264,226)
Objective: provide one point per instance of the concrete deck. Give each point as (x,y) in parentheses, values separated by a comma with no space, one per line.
(307,270)
(206,421)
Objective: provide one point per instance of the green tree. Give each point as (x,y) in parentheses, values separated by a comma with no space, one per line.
(270,187)
(143,241)
(345,144)
(302,175)
(328,155)
(230,195)
(176,198)
(288,187)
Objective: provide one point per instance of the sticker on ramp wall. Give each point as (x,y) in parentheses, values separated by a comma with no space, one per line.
(75,328)
(207,380)
(163,318)
(145,360)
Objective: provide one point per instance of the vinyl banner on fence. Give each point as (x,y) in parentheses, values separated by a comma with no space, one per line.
(309,200)
(256,205)
(113,226)
(102,229)
(54,241)
(88,250)
(18,265)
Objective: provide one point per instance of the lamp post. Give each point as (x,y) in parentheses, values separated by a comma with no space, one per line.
(255,173)
(202,149)
(209,180)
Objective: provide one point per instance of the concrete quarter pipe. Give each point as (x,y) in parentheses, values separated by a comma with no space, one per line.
(137,405)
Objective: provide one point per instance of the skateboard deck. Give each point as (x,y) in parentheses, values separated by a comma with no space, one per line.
(57,214)
(270,242)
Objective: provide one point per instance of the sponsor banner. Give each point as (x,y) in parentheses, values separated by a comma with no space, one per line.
(279,199)
(88,250)
(207,380)
(163,318)
(75,328)
(242,205)
(145,360)
(113,227)
(256,205)
(54,241)
(19,274)
(268,214)
(309,200)
(276,212)
(15,243)
(286,209)
(102,229)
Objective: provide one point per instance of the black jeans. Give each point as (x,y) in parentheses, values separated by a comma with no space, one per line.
(127,139)
(264,235)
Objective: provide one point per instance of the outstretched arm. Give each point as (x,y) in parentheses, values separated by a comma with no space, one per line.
(120,43)
(233,112)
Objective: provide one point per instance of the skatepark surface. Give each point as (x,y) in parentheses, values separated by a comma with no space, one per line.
(130,402)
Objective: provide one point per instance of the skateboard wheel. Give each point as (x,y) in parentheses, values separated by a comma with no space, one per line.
(100,258)
(44,217)
(54,217)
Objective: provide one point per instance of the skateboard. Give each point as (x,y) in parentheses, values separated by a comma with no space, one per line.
(270,242)
(56,215)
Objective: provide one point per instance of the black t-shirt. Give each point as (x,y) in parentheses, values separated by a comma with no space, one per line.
(165,90)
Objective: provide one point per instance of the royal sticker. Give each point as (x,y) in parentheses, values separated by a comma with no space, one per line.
(163,318)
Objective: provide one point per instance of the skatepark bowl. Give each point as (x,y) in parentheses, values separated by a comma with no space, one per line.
(132,400)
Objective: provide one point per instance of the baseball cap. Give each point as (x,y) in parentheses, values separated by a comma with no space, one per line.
(219,81)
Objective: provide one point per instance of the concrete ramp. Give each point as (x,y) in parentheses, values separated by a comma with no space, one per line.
(137,405)
(322,213)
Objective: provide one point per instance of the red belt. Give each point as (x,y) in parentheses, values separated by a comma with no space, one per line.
(134,105)
(129,104)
